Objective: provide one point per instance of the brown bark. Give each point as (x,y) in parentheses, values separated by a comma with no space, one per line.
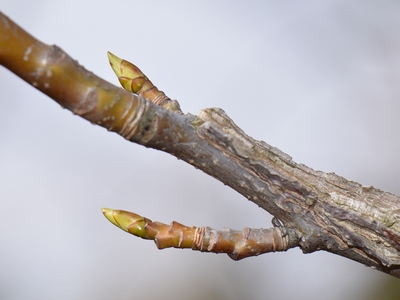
(326,211)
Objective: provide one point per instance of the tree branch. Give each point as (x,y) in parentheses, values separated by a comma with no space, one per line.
(326,211)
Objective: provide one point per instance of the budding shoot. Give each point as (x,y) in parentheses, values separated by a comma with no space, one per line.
(237,244)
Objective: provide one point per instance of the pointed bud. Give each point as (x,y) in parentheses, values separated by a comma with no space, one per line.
(127,221)
(133,80)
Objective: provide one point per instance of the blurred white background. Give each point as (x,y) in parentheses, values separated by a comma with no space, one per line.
(320,80)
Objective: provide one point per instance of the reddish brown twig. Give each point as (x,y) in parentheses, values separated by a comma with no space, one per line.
(237,244)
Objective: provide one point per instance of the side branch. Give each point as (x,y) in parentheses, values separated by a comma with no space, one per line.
(237,244)
(325,211)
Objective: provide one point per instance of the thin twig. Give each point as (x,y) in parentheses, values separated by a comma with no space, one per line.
(237,244)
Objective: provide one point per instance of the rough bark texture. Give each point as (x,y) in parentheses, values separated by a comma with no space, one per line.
(326,211)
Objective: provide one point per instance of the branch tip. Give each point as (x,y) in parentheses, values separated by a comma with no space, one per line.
(133,80)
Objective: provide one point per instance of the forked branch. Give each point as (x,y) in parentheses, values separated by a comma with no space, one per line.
(323,211)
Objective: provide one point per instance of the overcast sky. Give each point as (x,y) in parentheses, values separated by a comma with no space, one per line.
(317,79)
